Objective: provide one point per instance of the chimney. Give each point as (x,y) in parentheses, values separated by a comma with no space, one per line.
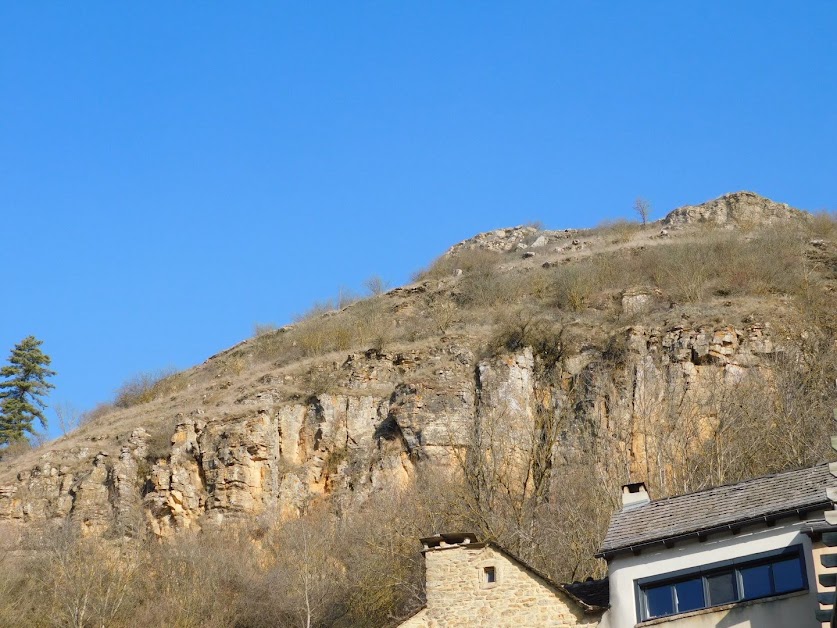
(447,541)
(634,495)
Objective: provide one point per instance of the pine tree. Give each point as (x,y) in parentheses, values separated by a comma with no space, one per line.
(21,395)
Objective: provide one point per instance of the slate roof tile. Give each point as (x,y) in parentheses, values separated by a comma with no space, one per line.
(595,593)
(715,508)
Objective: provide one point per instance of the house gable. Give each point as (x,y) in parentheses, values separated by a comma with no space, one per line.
(476,584)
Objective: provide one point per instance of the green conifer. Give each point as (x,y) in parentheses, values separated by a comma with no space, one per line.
(21,395)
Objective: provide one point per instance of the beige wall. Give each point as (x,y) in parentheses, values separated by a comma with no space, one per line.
(458,596)
(419,620)
(818,550)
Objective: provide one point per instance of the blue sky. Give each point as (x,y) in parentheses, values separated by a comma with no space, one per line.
(172,173)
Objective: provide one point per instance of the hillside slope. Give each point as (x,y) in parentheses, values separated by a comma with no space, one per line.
(692,352)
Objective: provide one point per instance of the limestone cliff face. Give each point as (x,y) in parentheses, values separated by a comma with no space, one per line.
(269,453)
(247,436)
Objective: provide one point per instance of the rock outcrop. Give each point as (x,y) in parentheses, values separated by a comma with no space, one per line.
(278,454)
(739,209)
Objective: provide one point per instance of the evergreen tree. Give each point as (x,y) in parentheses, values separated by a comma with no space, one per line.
(21,395)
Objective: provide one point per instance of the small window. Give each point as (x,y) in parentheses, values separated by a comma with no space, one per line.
(721,588)
(659,601)
(755,581)
(750,578)
(689,595)
(787,576)
(489,575)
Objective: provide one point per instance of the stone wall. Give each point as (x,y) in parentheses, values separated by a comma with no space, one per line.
(458,593)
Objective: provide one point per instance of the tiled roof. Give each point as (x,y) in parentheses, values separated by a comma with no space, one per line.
(717,508)
(594,593)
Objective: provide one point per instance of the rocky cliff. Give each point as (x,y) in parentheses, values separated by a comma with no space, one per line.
(260,429)
(741,209)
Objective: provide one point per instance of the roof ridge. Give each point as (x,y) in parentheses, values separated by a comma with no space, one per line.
(740,484)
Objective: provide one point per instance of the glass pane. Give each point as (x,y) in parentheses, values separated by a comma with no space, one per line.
(689,595)
(756,581)
(659,601)
(787,575)
(721,588)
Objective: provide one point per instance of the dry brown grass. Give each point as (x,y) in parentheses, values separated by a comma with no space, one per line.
(145,387)
(823,224)
(619,231)
(719,263)
(466,260)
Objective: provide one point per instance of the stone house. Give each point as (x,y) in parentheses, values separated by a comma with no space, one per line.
(480,584)
(745,554)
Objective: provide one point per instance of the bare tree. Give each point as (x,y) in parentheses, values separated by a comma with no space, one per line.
(376,285)
(69,417)
(643,209)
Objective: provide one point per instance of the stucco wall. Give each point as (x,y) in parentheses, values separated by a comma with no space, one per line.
(458,596)
(795,610)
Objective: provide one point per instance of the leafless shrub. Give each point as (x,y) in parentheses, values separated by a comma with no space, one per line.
(574,285)
(260,329)
(146,387)
(16,448)
(618,231)
(376,285)
(69,417)
(466,260)
(82,582)
(527,327)
(823,224)
(98,411)
(345,297)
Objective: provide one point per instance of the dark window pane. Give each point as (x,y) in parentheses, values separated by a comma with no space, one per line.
(721,588)
(689,595)
(787,575)
(659,601)
(756,581)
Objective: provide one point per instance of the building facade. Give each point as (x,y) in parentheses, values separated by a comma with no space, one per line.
(480,584)
(740,555)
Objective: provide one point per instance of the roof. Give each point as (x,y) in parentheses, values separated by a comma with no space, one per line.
(594,593)
(451,538)
(717,509)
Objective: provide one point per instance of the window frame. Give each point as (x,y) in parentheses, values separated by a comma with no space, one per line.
(703,572)
(482,573)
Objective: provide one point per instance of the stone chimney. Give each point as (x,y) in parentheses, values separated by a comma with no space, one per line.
(634,495)
(447,541)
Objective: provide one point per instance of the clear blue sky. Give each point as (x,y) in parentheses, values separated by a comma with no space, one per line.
(172,173)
